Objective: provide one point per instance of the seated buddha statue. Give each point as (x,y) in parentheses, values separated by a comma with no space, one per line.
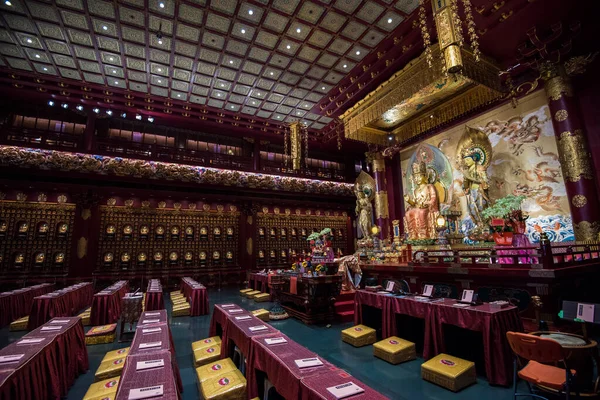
(423,207)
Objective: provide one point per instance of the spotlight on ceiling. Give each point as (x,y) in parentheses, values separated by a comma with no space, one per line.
(104,27)
(64,105)
(8,3)
(250,12)
(96,110)
(161,4)
(138,117)
(150,119)
(124,115)
(28,40)
(79,108)
(390,137)
(50,103)
(109,112)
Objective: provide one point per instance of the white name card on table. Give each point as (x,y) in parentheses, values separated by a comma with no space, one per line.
(258,328)
(277,340)
(146,393)
(51,328)
(461,305)
(150,321)
(142,365)
(11,358)
(60,321)
(308,362)
(150,345)
(236,311)
(152,314)
(345,390)
(390,286)
(243,317)
(151,330)
(31,341)
(428,290)
(585,312)
(227,305)
(467,295)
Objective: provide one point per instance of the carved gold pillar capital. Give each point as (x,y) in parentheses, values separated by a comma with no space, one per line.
(448,34)
(557,82)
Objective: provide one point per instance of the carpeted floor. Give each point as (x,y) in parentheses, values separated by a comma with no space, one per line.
(398,382)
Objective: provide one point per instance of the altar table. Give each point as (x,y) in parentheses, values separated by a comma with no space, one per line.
(17,303)
(196,295)
(259,281)
(492,323)
(106,304)
(49,367)
(60,303)
(154,296)
(134,379)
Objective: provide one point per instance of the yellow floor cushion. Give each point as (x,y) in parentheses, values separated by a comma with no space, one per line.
(261,313)
(85,318)
(181,310)
(448,371)
(106,389)
(179,300)
(244,291)
(206,355)
(214,368)
(211,341)
(101,334)
(109,369)
(175,292)
(229,385)
(259,298)
(252,293)
(113,355)
(19,324)
(395,350)
(359,335)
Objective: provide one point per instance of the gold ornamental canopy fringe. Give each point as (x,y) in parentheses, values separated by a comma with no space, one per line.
(418,98)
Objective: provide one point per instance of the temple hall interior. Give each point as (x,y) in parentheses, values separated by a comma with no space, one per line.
(299,199)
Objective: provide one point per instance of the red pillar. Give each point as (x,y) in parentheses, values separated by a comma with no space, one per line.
(89,134)
(381,198)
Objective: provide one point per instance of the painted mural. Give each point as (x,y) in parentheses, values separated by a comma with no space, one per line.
(524,161)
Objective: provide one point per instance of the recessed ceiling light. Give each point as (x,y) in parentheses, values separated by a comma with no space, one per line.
(50,103)
(178,95)
(250,12)
(96,110)
(159,69)
(64,105)
(79,107)
(298,30)
(271,73)
(29,40)
(8,3)
(243,31)
(138,117)
(114,71)
(150,119)
(161,4)
(306,105)
(218,94)
(159,41)
(222,85)
(323,88)
(230,61)
(116,82)
(109,112)
(288,47)
(111,58)
(278,117)
(358,52)
(232,107)
(299,113)
(45,69)
(105,27)
(389,20)
(345,66)
(253,103)
(37,56)
(124,115)
(159,81)
(258,94)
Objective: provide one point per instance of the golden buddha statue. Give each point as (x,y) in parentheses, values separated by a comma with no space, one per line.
(216,255)
(189,256)
(144,230)
(39,258)
(142,257)
(158,256)
(173,256)
(63,228)
(189,231)
(423,207)
(59,258)
(24,227)
(19,258)
(230,231)
(108,257)
(202,256)
(43,228)
(125,257)
(3,226)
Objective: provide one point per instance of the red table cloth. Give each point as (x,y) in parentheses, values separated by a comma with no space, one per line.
(49,367)
(61,303)
(371,299)
(278,362)
(154,296)
(218,321)
(106,304)
(131,378)
(238,333)
(17,303)
(196,295)
(259,281)
(150,317)
(315,387)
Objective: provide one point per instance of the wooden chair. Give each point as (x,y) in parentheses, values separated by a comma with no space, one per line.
(542,356)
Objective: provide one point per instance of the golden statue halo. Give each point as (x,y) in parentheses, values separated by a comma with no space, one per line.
(366,184)
(475,144)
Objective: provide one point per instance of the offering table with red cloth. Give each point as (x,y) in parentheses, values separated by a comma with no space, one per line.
(196,295)
(259,281)
(132,379)
(492,323)
(52,359)
(60,303)
(154,296)
(106,304)
(17,303)
(277,361)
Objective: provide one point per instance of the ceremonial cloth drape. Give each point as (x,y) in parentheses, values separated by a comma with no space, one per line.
(61,303)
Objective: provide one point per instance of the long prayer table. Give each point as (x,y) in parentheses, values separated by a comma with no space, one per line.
(52,359)
(315,387)
(196,295)
(154,296)
(17,303)
(492,323)
(278,363)
(106,304)
(132,379)
(61,303)
(218,321)
(238,333)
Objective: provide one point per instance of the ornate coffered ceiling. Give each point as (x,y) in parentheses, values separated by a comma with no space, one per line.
(252,64)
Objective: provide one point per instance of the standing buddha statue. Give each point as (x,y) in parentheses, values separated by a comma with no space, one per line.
(423,207)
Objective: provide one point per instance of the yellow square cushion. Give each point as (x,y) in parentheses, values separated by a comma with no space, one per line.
(393,345)
(110,369)
(207,354)
(262,297)
(181,306)
(102,330)
(88,310)
(252,293)
(215,368)
(229,385)
(358,331)
(113,355)
(448,371)
(262,314)
(211,341)
(106,389)
(179,300)
(175,292)
(19,324)
(244,291)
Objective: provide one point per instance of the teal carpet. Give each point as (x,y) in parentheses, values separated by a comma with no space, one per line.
(398,382)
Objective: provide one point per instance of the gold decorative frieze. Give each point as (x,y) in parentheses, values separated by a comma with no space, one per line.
(561,115)
(579,200)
